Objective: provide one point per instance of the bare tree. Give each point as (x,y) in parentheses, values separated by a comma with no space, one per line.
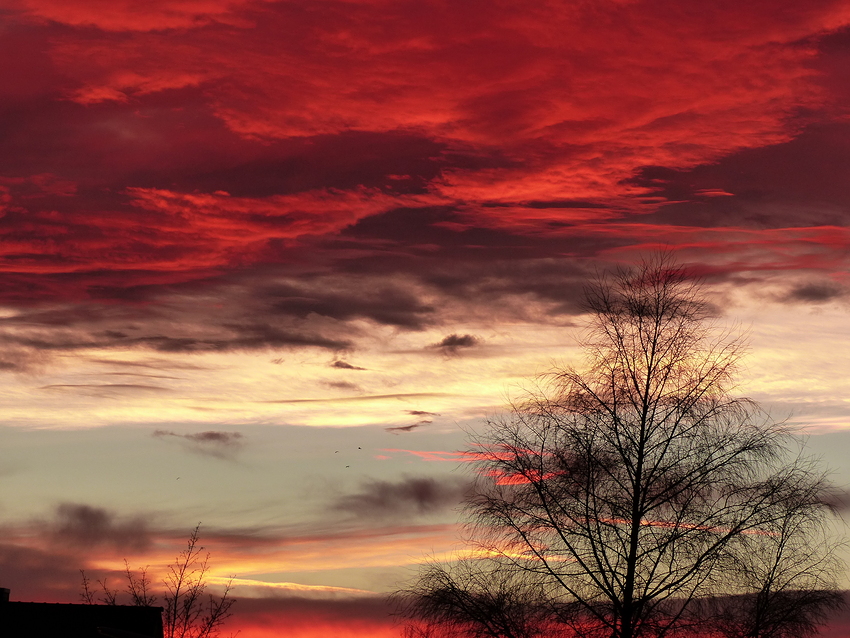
(86,593)
(187,611)
(624,493)
(138,586)
(108,595)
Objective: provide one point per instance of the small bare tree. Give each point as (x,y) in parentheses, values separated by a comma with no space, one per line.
(138,586)
(86,592)
(623,496)
(108,596)
(187,612)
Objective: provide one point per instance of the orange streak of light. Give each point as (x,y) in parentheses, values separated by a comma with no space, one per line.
(341,629)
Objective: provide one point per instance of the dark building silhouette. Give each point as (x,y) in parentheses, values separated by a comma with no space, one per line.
(56,620)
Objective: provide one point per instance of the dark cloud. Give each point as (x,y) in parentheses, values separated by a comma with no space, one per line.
(253,337)
(436,226)
(388,304)
(815,292)
(275,311)
(458,341)
(85,526)
(225,438)
(220,445)
(797,183)
(162,327)
(7,365)
(344,365)
(410,495)
(21,359)
(453,343)
(350,159)
(236,336)
(422,413)
(838,500)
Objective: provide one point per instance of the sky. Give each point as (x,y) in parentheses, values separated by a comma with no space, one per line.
(265,265)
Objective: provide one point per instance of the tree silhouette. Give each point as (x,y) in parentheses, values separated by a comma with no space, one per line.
(187,612)
(619,499)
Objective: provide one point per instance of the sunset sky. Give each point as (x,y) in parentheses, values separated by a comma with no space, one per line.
(265,264)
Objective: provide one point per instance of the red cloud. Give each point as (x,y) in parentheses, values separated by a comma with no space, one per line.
(517,478)
(436,455)
(501,452)
(530,122)
(580,95)
(172,231)
(135,15)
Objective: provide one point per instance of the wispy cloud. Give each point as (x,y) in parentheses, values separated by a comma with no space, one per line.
(154,364)
(259,589)
(815,292)
(436,455)
(105,389)
(408,428)
(369,397)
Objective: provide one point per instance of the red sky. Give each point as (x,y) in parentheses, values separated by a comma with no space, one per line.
(289,252)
